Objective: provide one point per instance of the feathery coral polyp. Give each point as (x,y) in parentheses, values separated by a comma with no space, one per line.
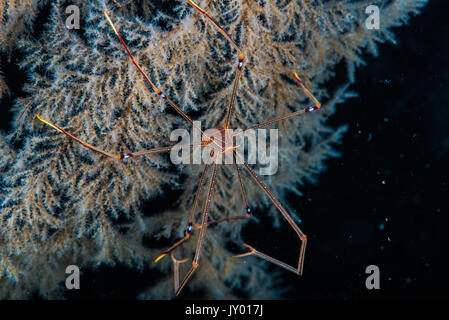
(63,204)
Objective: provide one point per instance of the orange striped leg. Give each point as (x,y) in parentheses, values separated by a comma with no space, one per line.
(240,61)
(316,106)
(200,243)
(176,264)
(298,270)
(189,226)
(110,155)
(152,85)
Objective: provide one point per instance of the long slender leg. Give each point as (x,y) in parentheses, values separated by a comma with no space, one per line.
(153,86)
(215,23)
(202,234)
(116,156)
(245,201)
(230,218)
(176,264)
(301,235)
(244,198)
(242,188)
(240,62)
(215,222)
(209,223)
(147,79)
(189,227)
(306,90)
(196,227)
(232,102)
(316,106)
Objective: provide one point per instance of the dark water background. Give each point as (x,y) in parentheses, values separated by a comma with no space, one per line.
(384,202)
(394,166)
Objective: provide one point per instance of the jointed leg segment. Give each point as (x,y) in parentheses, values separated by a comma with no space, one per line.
(120,156)
(240,62)
(153,86)
(202,234)
(287,217)
(190,226)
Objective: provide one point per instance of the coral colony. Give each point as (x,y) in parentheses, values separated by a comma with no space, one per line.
(108,82)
